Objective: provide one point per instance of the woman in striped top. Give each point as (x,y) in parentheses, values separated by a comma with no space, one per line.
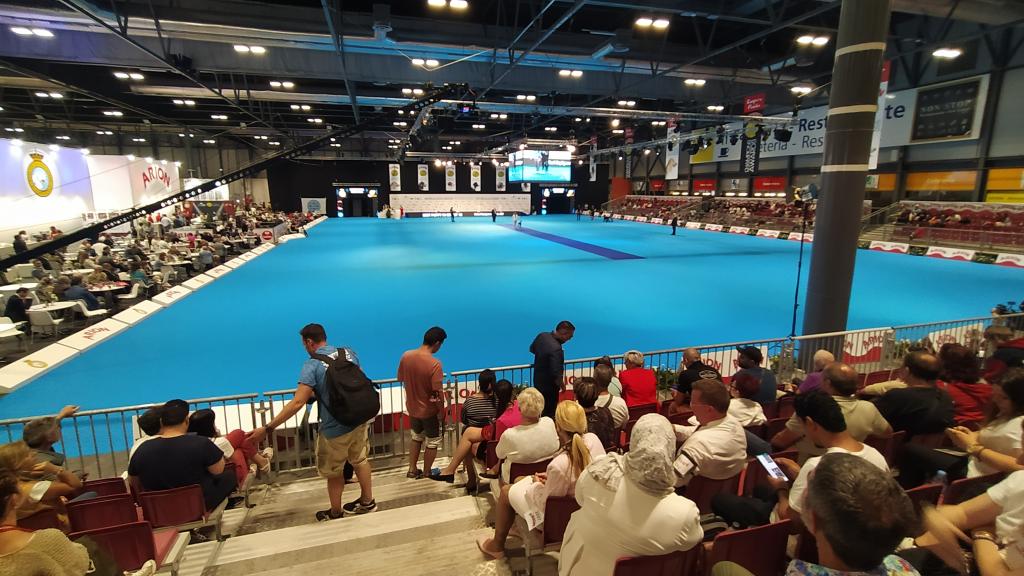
(479,410)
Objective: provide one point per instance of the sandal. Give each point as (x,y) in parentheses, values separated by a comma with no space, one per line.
(493,555)
(415,474)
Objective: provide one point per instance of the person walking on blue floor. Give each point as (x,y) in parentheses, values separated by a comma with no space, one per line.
(494,215)
(337,443)
(549,363)
(675,222)
(452,212)
(579,213)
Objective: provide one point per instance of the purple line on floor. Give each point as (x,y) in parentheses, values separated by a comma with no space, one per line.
(592,248)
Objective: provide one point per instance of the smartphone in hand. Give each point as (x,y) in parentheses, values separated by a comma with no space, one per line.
(773,469)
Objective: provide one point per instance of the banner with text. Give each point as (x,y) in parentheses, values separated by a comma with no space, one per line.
(499,179)
(671,162)
(423,177)
(449,179)
(395,177)
(474,177)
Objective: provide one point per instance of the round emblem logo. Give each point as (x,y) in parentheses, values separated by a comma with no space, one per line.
(268,235)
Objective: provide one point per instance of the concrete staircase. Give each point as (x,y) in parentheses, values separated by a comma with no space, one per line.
(880,232)
(421,527)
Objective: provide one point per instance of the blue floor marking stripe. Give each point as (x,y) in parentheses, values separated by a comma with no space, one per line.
(592,248)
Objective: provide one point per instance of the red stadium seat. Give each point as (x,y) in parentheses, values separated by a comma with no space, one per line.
(674,564)
(889,446)
(701,490)
(131,545)
(967,488)
(760,550)
(775,426)
(106,486)
(635,412)
(785,406)
(518,470)
(41,520)
(925,494)
(102,512)
(182,508)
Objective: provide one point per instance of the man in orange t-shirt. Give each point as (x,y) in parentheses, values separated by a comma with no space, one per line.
(421,375)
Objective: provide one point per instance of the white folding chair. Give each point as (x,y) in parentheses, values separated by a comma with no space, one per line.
(89,314)
(132,295)
(42,323)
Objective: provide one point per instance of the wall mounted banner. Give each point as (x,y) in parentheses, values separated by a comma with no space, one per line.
(474,177)
(40,185)
(898,123)
(1012,260)
(950,253)
(395,177)
(593,168)
(671,162)
(449,179)
(750,152)
(314,205)
(894,247)
(423,177)
(499,179)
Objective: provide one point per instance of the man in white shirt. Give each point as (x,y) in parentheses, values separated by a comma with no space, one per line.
(825,426)
(717,448)
(862,418)
(617,406)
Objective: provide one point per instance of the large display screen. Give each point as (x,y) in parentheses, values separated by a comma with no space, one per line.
(540,166)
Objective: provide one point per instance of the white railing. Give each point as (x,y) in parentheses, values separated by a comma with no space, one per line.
(97,441)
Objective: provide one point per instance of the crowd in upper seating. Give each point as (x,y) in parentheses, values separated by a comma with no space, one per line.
(936,216)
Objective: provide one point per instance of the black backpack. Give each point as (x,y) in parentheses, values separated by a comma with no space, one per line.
(352,397)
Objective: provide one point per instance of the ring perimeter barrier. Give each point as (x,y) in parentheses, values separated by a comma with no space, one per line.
(98,441)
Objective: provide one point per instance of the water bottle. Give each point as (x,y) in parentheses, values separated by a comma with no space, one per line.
(941,478)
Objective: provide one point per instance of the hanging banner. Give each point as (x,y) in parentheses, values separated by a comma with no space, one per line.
(314,205)
(750,154)
(395,177)
(593,168)
(876,135)
(449,178)
(423,177)
(671,162)
(754,103)
(499,178)
(474,177)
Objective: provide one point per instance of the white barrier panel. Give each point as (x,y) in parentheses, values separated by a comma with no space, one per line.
(713,227)
(630,218)
(657,221)
(36,364)
(641,219)
(864,346)
(956,335)
(218,271)
(251,254)
(809,237)
(617,216)
(768,233)
(138,312)
(234,263)
(1015,260)
(198,282)
(739,230)
(288,237)
(94,334)
(693,225)
(950,253)
(263,248)
(168,297)
(795,236)
(894,247)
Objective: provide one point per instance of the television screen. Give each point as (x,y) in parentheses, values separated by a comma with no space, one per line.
(540,166)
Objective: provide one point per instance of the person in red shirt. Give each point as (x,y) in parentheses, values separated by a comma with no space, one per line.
(962,376)
(423,378)
(639,384)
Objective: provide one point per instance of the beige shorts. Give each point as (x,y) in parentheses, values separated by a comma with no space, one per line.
(333,453)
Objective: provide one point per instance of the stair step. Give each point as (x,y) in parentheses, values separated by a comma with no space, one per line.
(339,539)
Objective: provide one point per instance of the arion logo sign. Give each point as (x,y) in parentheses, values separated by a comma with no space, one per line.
(268,235)
(313,206)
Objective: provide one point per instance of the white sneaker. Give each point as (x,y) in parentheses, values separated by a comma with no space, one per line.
(267,453)
(148,569)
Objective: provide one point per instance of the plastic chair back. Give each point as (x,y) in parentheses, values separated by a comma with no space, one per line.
(672,564)
(681,418)
(102,512)
(635,412)
(785,406)
(106,486)
(173,507)
(925,494)
(966,488)
(518,470)
(759,430)
(760,550)
(557,511)
(701,490)
(889,446)
(41,520)
(130,545)
(774,426)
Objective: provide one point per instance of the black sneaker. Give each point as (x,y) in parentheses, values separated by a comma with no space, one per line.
(357,507)
(325,515)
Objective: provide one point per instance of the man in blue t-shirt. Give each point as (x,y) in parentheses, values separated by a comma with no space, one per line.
(336,444)
(750,363)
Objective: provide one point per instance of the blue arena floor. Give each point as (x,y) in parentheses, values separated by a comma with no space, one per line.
(377,285)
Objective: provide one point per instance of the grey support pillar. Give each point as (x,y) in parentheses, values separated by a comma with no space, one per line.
(860,49)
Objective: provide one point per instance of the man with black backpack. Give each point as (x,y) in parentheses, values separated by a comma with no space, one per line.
(347,402)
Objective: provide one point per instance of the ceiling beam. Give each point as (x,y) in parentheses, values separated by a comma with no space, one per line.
(339,49)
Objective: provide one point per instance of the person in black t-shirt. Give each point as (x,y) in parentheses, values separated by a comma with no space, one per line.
(177,459)
(692,369)
(921,407)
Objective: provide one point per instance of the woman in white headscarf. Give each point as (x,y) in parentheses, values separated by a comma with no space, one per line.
(628,506)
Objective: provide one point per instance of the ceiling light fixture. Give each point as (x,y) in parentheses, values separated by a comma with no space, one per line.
(644,22)
(121,75)
(820,40)
(241,48)
(209,141)
(800,90)
(431,63)
(698,82)
(618,131)
(63,137)
(117,113)
(715,108)
(805,40)
(218,116)
(315,120)
(136,76)
(138,139)
(458,4)
(42,32)
(21,31)
(418,61)
(947,53)
(437,3)
(660,23)
(479,126)
(615,122)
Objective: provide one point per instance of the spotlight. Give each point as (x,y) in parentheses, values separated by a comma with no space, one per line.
(644,22)
(800,90)
(783,134)
(947,53)
(697,82)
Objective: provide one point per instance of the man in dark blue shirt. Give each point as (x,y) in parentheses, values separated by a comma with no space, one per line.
(750,363)
(18,305)
(549,363)
(78,292)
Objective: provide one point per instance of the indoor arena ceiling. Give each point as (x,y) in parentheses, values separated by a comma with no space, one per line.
(271,73)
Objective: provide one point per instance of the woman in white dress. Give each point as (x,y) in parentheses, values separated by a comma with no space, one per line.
(628,506)
(528,495)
